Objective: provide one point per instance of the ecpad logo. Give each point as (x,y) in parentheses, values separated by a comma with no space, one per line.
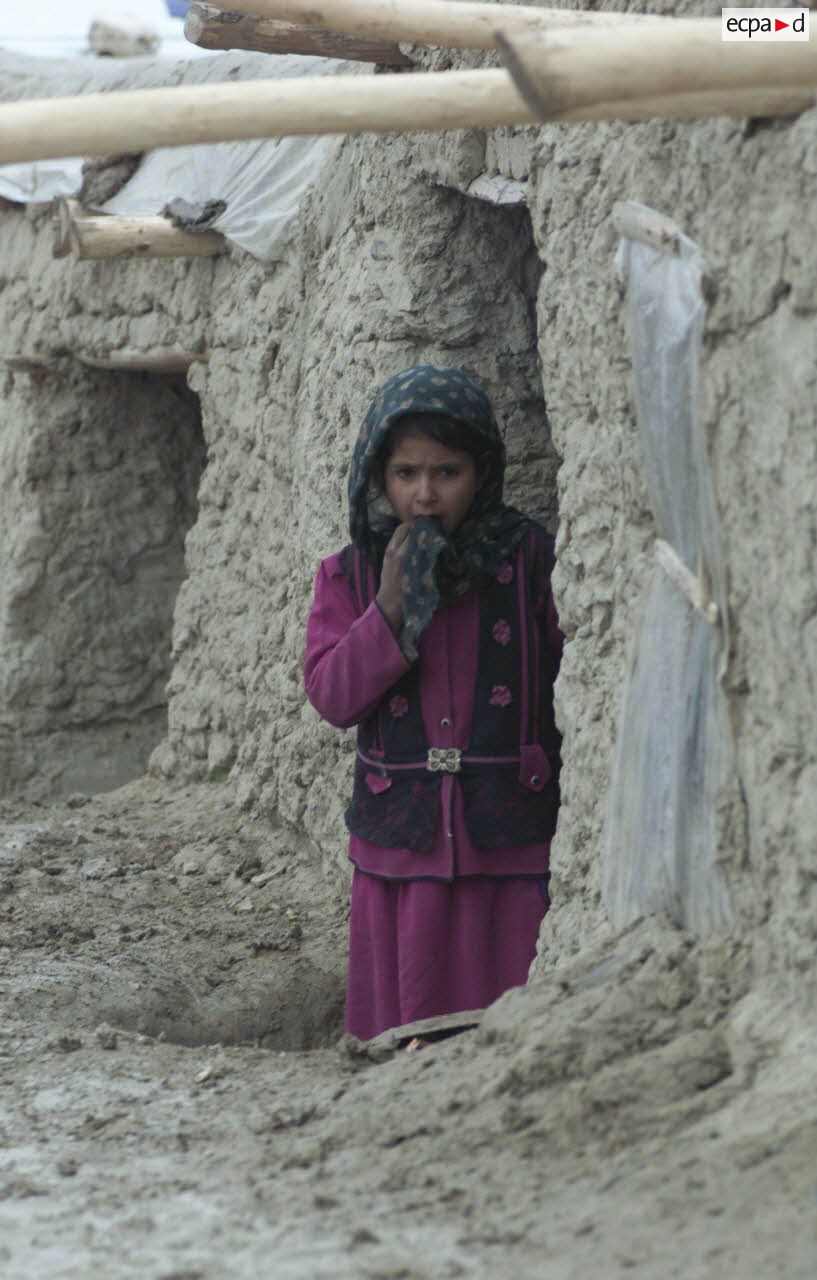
(764,24)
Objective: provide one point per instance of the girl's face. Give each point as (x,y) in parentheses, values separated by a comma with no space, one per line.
(424,478)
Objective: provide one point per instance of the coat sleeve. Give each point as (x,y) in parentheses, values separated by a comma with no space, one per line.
(352,659)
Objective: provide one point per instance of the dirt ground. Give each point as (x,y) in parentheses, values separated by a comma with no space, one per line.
(177,1102)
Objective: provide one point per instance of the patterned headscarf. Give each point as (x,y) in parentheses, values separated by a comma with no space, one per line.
(439,567)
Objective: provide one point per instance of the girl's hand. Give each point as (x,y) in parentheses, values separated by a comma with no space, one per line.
(390,595)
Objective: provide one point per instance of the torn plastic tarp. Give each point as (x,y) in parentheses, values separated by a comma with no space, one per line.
(40,180)
(262,182)
(673,750)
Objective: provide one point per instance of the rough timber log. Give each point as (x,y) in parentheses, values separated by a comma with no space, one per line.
(108,235)
(212,28)
(461,25)
(637,222)
(567,71)
(103,124)
(121,359)
(132,360)
(99,123)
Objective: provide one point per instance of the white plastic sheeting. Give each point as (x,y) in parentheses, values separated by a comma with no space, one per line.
(261,182)
(40,181)
(673,750)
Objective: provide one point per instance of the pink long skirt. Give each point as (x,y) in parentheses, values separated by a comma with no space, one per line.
(420,948)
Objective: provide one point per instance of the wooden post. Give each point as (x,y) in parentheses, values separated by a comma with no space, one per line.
(63,214)
(463,24)
(565,72)
(154,360)
(106,235)
(637,222)
(36,366)
(212,28)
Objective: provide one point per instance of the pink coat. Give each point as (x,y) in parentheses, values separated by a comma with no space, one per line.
(352,661)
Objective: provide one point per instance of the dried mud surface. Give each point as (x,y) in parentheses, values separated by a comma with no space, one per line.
(176,1103)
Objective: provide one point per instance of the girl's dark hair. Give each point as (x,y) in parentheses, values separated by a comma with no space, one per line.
(440,427)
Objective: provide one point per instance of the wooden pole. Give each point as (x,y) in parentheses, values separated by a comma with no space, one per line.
(63,214)
(212,28)
(106,235)
(463,24)
(35,366)
(567,71)
(637,222)
(111,123)
(154,360)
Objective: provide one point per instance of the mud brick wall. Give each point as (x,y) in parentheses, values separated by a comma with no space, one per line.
(393,263)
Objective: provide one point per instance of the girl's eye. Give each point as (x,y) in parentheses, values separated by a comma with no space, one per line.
(449,471)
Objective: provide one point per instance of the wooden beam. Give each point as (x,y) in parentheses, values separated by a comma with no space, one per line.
(64,212)
(212,28)
(37,366)
(123,360)
(105,235)
(463,24)
(140,120)
(425,1029)
(564,72)
(154,360)
(105,123)
(637,222)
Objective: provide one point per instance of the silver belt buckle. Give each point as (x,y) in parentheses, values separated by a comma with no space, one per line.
(444,759)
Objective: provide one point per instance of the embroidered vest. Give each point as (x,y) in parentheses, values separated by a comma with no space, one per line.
(509,772)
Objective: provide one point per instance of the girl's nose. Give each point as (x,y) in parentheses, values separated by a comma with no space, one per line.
(425,491)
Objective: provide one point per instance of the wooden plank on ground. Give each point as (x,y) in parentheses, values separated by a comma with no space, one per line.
(396,1038)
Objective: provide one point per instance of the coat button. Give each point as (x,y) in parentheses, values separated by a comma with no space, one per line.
(445,722)
(534,780)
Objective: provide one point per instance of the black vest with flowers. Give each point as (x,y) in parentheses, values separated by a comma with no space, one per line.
(509,773)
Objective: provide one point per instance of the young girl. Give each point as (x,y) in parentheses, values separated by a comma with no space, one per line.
(435,633)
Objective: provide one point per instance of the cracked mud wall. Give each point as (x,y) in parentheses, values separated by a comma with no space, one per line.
(99,475)
(741,190)
(392,264)
(99,490)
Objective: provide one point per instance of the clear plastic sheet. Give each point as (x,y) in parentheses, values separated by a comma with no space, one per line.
(672,753)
